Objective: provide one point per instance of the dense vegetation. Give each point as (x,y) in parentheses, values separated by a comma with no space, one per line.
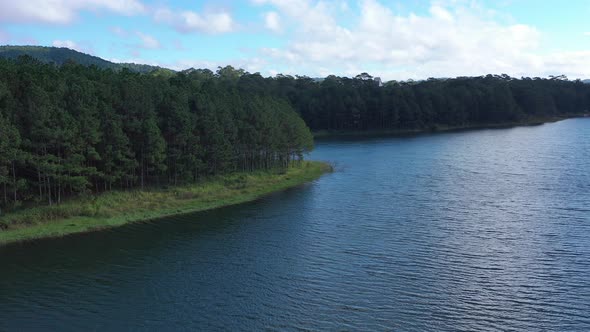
(362,103)
(62,55)
(70,130)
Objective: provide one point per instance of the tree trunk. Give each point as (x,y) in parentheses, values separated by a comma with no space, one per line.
(13,181)
(49,190)
(39,178)
(142,165)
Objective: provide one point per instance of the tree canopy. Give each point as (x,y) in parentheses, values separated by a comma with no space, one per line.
(363,103)
(72,129)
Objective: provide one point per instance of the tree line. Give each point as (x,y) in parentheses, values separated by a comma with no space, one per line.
(70,130)
(362,103)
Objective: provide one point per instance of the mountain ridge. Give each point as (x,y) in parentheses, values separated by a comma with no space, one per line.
(61,55)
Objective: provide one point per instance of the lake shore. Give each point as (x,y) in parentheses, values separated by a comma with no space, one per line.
(115,209)
(439,129)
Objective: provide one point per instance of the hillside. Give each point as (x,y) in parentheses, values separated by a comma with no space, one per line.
(61,55)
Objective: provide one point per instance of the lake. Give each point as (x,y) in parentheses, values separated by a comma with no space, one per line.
(480,230)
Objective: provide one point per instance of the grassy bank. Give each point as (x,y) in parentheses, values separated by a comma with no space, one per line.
(439,128)
(118,208)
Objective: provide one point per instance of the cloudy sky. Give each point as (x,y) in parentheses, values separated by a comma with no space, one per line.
(392,39)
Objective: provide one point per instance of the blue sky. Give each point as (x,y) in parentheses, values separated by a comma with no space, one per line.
(391,39)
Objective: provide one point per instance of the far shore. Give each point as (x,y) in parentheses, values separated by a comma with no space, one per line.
(438,128)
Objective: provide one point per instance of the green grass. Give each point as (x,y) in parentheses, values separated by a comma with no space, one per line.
(119,208)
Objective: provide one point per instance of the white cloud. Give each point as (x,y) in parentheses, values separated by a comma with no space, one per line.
(83,46)
(308,16)
(272,21)
(147,41)
(454,38)
(62,11)
(213,22)
(67,44)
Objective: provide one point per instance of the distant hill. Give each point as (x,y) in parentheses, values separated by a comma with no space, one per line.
(61,55)
(586,81)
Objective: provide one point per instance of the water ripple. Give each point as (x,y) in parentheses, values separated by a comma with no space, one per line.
(473,231)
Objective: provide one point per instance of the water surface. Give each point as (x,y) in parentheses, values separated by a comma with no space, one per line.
(476,231)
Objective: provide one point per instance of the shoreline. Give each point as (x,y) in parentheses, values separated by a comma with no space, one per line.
(321,134)
(114,209)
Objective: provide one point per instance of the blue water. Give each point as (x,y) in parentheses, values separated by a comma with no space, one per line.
(485,230)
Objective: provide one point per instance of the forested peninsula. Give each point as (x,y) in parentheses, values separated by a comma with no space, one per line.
(85,147)
(77,132)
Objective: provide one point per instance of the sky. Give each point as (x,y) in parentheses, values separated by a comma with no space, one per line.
(410,39)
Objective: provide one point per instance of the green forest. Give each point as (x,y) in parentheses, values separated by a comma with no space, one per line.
(71,129)
(362,103)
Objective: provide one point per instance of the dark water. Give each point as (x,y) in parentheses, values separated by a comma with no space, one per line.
(476,231)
